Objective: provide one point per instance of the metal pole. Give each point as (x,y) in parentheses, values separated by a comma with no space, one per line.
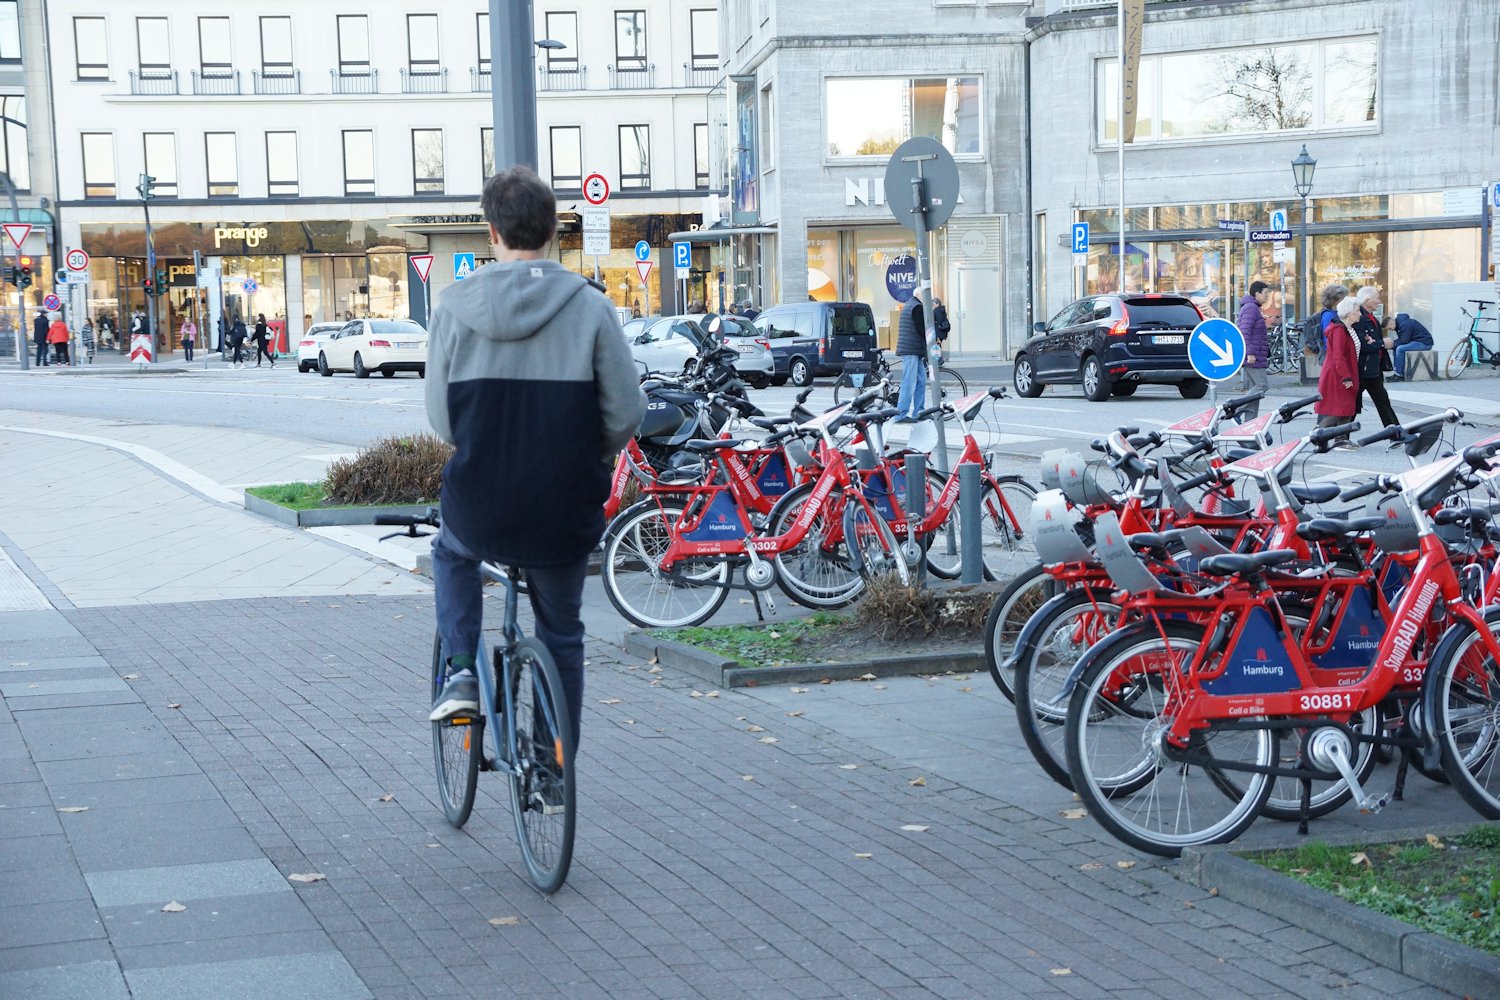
(23,336)
(151,276)
(972,567)
(513,83)
(924,298)
(1120,138)
(916,509)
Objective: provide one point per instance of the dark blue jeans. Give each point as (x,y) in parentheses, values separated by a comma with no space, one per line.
(556,597)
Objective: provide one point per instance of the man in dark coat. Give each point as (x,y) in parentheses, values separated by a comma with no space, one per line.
(1404,335)
(911,348)
(39,338)
(1252,324)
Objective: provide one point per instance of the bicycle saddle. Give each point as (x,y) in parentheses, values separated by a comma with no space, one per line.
(770,423)
(1317,493)
(707,445)
(1477,516)
(1241,564)
(1321,529)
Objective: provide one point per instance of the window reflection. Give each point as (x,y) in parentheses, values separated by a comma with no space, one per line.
(872,116)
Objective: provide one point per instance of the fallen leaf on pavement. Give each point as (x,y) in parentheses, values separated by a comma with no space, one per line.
(1124,864)
(774,634)
(795,715)
(864,855)
(712,694)
(73,809)
(1074,813)
(505,921)
(1214,891)
(432,845)
(312,876)
(915,828)
(132,677)
(799,690)
(1062,972)
(917,782)
(174,704)
(1434,841)
(629,722)
(388,797)
(609,701)
(867,677)
(880,687)
(398,618)
(769,739)
(966,690)
(173,907)
(696,694)
(826,680)
(747,777)
(653,660)
(1092,866)
(960,677)
(753,728)
(335,605)
(21,663)
(848,767)
(654,670)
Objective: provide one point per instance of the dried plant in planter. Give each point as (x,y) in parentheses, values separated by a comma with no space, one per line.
(406,469)
(892,611)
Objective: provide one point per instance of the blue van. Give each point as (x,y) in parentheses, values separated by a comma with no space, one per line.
(817,338)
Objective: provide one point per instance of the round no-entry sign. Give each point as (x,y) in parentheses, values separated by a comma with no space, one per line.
(77,260)
(595,189)
(52,303)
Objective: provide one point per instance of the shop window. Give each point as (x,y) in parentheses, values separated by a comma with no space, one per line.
(767,128)
(154,47)
(10,31)
(704,29)
(276,46)
(700,156)
(215,51)
(1190,216)
(567,157)
(486,155)
(16,154)
(635,157)
(630,40)
(98,164)
(427,160)
(1107,220)
(223,165)
(359,163)
(1245,91)
(354,45)
(871,116)
(91,48)
(1367,206)
(161,162)
(482,41)
(422,44)
(562,26)
(281,164)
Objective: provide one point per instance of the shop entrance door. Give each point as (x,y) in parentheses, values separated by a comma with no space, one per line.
(975,312)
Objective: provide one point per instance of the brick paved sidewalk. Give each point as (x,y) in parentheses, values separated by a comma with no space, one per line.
(711,861)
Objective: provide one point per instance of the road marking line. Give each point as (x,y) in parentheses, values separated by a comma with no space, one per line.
(169,467)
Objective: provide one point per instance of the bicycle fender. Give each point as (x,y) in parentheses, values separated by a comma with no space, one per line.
(1432,753)
(1087,659)
(1026,640)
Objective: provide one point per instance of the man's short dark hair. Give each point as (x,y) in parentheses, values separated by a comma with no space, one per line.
(521,207)
(1256,287)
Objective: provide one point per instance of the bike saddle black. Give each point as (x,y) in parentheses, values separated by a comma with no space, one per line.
(706,445)
(1321,529)
(1240,564)
(770,423)
(1317,493)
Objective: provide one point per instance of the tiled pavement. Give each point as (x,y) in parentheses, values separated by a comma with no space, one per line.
(220,747)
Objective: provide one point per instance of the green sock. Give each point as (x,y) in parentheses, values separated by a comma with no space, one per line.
(457,664)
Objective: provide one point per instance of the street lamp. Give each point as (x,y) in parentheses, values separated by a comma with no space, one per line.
(1302,176)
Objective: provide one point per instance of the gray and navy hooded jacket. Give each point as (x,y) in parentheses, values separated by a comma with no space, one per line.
(530,380)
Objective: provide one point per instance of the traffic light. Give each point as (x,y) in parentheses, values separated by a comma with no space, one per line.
(144,188)
(149,287)
(10,274)
(25,276)
(161,282)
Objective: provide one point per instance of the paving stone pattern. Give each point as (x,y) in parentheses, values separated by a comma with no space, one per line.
(710,863)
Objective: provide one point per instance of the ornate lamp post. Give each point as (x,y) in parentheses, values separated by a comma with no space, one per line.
(1302,175)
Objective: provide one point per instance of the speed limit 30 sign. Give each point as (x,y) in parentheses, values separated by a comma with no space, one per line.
(595,189)
(77,260)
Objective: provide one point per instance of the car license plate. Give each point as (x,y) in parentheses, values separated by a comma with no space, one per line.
(408,345)
(854,354)
(1171,338)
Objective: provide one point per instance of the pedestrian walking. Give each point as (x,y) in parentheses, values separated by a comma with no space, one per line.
(139,327)
(106,332)
(58,336)
(1252,324)
(1314,343)
(1374,362)
(538,385)
(940,322)
(237,341)
(1404,335)
(1338,382)
(189,336)
(911,348)
(39,338)
(261,335)
(86,338)
(748,310)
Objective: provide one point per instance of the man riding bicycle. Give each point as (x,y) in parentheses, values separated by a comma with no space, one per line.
(530,380)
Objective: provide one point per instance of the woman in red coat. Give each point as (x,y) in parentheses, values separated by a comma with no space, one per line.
(1338,383)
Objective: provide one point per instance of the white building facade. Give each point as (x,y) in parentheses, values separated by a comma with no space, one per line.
(26,161)
(308,151)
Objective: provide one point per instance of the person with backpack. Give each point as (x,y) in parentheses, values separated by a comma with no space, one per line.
(1314,340)
(237,341)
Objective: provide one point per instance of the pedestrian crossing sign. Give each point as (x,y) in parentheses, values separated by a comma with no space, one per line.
(463,266)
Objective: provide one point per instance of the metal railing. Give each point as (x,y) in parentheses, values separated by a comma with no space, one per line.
(699,76)
(355,83)
(216,83)
(632,79)
(480,81)
(556,79)
(277,83)
(430,82)
(153,83)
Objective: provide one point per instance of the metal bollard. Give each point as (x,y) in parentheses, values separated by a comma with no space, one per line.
(970,529)
(916,508)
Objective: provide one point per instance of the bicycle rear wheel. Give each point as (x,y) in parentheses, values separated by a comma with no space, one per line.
(871,543)
(1462,706)
(946,377)
(1020,599)
(457,746)
(1459,358)
(543,793)
(817,572)
(635,583)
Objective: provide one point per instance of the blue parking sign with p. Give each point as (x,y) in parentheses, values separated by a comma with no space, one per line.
(682,255)
(1080,237)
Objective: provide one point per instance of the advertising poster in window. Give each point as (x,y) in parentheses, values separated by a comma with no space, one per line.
(822,265)
(746,167)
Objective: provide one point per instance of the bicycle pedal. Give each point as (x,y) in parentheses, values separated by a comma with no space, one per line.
(1372,805)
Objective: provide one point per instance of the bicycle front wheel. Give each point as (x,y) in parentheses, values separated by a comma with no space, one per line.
(543,796)
(871,543)
(635,582)
(1020,599)
(457,746)
(1463,709)
(1459,358)
(817,572)
(952,383)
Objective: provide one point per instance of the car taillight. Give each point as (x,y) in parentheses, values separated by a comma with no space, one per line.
(764,343)
(726,341)
(1122,325)
(307,343)
(380,343)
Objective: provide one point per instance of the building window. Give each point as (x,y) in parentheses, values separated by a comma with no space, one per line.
(154,47)
(17,155)
(281,164)
(91,49)
(10,31)
(630,39)
(215,52)
(767,129)
(1246,91)
(276,46)
(427,160)
(871,116)
(161,162)
(700,156)
(704,25)
(223,165)
(567,158)
(635,157)
(562,26)
(482,41)
(98,164)
(359,163)
(486,154)
(422,43)
(354,45)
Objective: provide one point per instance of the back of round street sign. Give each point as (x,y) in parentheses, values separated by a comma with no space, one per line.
(939,173)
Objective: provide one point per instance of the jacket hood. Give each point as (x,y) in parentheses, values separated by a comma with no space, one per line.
(512,300)
(1402,318)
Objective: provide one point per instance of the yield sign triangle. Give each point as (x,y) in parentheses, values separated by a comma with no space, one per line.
(423,264)
(17,231)
(643,268)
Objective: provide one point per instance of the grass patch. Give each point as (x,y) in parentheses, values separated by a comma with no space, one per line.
(757,645)
(297,496)
(1450,888)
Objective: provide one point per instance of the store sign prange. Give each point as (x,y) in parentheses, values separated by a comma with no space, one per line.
(251,235)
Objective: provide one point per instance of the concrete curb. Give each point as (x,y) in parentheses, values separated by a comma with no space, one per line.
(714,669)
(325,517)
(1393,943)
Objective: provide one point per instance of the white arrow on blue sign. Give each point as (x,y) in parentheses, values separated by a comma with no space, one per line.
(643,250)
(1216,349)
(682,255)
(1080,237)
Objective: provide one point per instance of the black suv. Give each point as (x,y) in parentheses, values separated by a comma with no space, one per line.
(818,338)
(1110,344)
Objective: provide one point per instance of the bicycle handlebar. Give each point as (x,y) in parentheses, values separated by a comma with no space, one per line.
(1289,410)
(1325,434)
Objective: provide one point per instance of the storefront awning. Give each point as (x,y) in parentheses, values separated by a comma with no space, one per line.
(721,235)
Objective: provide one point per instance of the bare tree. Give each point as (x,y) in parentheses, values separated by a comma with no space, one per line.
(1263,89)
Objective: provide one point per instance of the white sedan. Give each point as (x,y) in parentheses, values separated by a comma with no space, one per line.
(312,342)
(386,346)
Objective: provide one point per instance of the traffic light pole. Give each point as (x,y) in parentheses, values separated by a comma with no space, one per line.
(151,276)
(23,344)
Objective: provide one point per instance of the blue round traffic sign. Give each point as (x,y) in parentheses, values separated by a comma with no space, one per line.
(1216,349)
(901,277)
(643,250)
(52,303)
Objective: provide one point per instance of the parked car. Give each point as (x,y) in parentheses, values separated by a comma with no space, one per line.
(668,343)
(312,342)
(1112,344)
(636,325)
(817,338)
(386,346)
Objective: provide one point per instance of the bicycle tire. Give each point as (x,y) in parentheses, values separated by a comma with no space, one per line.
(633,547)
(1002,544)
(1020,599)
(545,750)
(457,747)
(1461,704)
(1141,794)
(946,373)
(935,482)
(817,573)
(1459,358)
(871,543)
(839,385)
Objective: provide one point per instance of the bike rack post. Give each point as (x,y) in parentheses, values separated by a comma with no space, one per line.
(971,531)
(916,510)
